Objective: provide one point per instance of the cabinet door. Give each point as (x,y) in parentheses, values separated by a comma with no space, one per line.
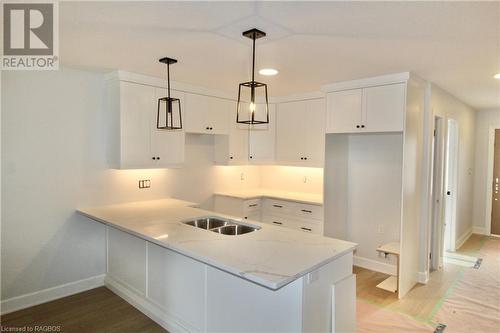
(343,111)
(314,133)
(289,129)
(167,146)
(384,107)
(136,104)
(195,113)
(217,117)
(262,144)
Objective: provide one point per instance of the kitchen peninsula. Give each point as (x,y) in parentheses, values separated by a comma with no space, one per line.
(190,278)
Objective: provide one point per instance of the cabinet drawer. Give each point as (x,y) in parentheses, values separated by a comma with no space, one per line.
(305,211)
(277,221)
(251,205)
(255,216)
(306,227)
(272,207)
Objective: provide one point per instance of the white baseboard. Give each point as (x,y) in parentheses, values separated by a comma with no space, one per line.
(423,277)
(462,239)
(375,265)
(150,309)
(50,294)
(479,230)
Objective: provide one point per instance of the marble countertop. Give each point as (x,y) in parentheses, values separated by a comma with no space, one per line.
(271,256)
(307,198)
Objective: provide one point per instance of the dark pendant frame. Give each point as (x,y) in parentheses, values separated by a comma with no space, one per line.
(169,103)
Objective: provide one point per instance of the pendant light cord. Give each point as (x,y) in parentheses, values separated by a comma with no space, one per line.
(168,80)
(253,59)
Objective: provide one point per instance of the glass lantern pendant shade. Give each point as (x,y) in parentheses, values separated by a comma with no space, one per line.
(253,104)
(169,109)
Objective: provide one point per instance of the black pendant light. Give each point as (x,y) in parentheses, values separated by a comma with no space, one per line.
(169,108)
(252,91)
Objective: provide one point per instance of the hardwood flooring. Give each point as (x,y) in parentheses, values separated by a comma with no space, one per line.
(97,310)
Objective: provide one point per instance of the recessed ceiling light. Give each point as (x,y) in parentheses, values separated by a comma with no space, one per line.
(268,71)
(497,76)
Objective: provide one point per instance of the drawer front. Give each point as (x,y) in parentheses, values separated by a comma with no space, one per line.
(304,211)
(272,207)
(255,216)
(311,228)
(277,221)
(251,205)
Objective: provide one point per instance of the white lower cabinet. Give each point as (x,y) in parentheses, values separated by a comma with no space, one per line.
(184,295)
(283,213)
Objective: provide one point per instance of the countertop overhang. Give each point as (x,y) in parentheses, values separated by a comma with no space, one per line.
(271,257)
(301,197)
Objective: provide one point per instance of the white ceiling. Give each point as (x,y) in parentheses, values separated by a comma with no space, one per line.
(453,44)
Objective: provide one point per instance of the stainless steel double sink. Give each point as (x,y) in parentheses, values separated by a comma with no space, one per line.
(221,225)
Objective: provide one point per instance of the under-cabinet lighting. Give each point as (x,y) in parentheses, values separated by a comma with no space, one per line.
(497,76)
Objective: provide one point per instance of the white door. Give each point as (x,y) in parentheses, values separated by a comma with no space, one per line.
(217,117)
(289,128)
(383,108)
(451,185)
(136,105)
(344,111)
(167,146)
(263,137)
(195,113)
(436,253)
(313,146)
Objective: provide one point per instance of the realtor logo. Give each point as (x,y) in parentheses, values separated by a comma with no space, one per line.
(30,36)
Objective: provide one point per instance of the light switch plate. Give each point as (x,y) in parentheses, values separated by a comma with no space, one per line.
(144,183)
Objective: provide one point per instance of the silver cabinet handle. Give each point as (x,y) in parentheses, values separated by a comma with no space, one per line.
(277,206)
(307,211)
(280,223)
(306,229)
(253,205)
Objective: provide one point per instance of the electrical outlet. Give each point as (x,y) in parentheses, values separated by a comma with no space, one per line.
(380,229)
(304,179)
(145,183)
(242,176)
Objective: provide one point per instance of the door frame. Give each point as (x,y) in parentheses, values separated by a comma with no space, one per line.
(489,179)
(454,179)
(437,194)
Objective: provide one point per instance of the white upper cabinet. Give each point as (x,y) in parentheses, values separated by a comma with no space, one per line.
(344,111)
(167,145)
(300,137)
(384,108)
(262,137)
(372,109)
(135,142)
(207,115)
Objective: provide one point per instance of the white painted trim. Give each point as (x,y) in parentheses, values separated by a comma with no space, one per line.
(479,230)
(162,83)
(298,97)
(374,265)
(50,294)
(423,277)
(367,82)
(489,179)
(462,239)
(150,309)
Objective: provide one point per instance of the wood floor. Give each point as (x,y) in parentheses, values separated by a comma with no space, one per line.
(100,310)
(96,310)
(421,302)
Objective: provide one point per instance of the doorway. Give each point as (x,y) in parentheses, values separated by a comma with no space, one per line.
(437,153)
(495,195)
(450,186)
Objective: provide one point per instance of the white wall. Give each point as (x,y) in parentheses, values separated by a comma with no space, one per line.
(486,122)
(448,107)
(53,161)
(294,179)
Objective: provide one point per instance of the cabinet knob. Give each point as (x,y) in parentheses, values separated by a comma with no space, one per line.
(230,157)
(362,126)
(357,126)
(158,157)
(211,128)
(302,158)
(154,158)
(251,156)
(207,128)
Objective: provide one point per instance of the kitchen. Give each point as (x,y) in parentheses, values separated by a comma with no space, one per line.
(205,201)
